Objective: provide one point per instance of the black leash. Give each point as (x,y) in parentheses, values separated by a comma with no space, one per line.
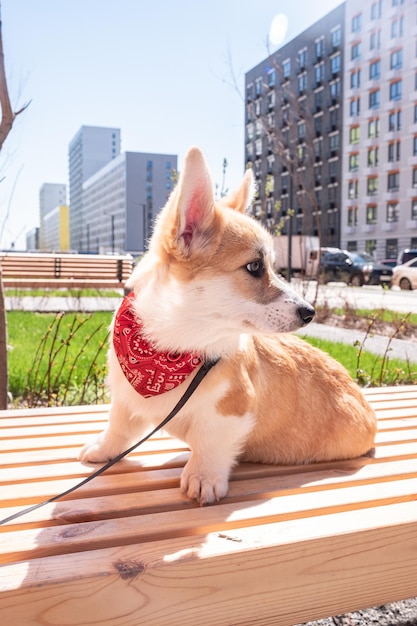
(203,371)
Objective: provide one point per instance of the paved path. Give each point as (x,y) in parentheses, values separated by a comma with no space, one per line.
(377,344)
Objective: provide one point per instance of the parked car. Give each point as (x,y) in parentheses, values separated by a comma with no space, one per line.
(405,275)
(390,262)
(406,255)
(353,269)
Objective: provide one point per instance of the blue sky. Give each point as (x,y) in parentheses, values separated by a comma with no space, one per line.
(164,71)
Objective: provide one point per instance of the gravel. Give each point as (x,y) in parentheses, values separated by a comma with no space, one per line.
(394,614)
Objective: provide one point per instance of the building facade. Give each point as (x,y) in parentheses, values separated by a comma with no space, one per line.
(51,196)
(293,131)
(121,200)
(90,149)
(379,189)
(331,129)
(55,230)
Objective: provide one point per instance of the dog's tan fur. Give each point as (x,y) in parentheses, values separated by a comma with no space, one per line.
(271,398)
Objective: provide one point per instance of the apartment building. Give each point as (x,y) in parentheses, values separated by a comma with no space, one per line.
(379,183)
(294,129)
(90,149)
(331,129)
(55,230)
(51,196)
(121,200)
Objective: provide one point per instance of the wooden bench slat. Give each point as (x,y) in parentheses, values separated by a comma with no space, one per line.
(104,533)
(287,545)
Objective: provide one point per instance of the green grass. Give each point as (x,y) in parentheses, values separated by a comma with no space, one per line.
(73,293)
(370,369)
(57,359)
(61,359)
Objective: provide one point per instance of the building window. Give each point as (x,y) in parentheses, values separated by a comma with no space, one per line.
(352,216)
(301,130)
(375,40)
(355,107)
(395,90)
(355,79)
(397,27)
(371,213)
(394,151)
(354,134)
(393,181)
(374,99)
(249,92)
(302,84)
(319,72)
(414,209)
(415,114)
(414,177)
(333,170)
(395,120)
(370,246)
(357,23)
(258,87)
(302,58)
(333,144)
(355,52)
(353,189)
(373,156)
(286,68)
(320,48)
(391,248)
(335,63)
(375,70)
(415,145)
(335,88)
(336,37)
(392,212)
(396,59)
(318,150)
(354,161)
(372,186)
(271,78)
(373,128)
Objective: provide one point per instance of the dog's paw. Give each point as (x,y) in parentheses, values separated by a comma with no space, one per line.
(94,452)
(204,486)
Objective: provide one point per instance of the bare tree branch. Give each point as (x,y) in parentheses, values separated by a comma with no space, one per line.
(7,114)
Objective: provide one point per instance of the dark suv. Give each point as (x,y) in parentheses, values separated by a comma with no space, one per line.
(354,269)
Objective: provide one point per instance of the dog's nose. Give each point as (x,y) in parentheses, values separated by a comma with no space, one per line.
(306,313)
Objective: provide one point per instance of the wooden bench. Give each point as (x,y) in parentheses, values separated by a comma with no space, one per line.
(77,271)
(288,544)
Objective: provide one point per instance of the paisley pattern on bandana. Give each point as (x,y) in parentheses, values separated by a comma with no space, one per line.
(149,371)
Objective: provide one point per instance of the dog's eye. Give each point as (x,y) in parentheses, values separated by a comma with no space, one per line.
(256,268)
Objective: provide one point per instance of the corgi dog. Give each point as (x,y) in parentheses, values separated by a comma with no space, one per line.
(206,290)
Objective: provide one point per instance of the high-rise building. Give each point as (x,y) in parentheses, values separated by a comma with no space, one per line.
(90,149)
(331,129)
(293,131)
(121,200)
(55,230)
(379,189)
(51,195)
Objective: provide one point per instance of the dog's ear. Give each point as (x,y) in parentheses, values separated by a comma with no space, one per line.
(194,203)
(243,196)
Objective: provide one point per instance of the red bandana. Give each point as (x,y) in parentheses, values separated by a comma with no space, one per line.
(149,371)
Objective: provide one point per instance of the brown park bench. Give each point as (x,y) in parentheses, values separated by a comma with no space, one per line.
(77,271)
(287,545)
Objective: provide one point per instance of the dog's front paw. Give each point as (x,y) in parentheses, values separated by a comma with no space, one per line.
(95,452)
(202,485)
